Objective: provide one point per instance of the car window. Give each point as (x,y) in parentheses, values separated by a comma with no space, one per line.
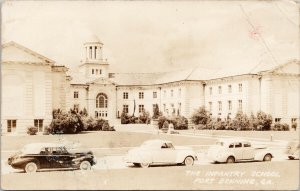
(238,145)
(247,144)
(170,145)
(231,145)
(46,151)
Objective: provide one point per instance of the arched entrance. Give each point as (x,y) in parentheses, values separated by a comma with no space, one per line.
(101,106)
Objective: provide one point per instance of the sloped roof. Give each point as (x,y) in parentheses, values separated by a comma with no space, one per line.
(26,50)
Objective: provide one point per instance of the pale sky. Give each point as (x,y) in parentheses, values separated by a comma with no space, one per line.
(154,36)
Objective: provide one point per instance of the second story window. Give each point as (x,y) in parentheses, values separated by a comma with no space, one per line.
(164,93)
(154,94)
(240,87)
(141,95)
(210,106)
(125,95)
(220,89)
(220,106)
(171,93)
(229,89)
(229,105)
(210,91)
(76,94)
(93,71)
(179,93)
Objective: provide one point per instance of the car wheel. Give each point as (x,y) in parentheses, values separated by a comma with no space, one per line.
(267,157)
(230,159)
(31,167)
(189,161)
(85,165)
(144,165)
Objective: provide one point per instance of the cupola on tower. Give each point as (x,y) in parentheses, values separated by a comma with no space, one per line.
(94,66)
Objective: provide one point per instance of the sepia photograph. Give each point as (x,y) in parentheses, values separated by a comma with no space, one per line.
(150,95)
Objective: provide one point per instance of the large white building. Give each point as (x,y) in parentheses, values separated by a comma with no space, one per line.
(33,85)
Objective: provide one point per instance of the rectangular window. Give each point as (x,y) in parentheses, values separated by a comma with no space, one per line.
(210,91)
(39,124)
(220,89)
(277,120)
(240,104)
(179,93)
(141,108)
(210,106)
(76,107)
(95,52)
(90,52)
(125,108)
(76,95)
(165,93)
(220,106)
(171,93)
(100,71)
(141,95)
(229,105)
(93,71)
(125,95)
(229,89)
(240,87)
(154,94)
(96,71)
(164,107)
(11,125)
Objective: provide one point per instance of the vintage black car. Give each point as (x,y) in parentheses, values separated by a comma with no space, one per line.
(36,156)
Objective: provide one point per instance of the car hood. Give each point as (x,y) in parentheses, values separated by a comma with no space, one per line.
(80,151)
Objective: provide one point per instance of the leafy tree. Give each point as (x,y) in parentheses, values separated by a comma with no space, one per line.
(264,121)
(201,116)
(241,121)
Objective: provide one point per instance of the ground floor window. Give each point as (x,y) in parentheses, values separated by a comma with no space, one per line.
(11,125)
(125,108)
(39,124)
(99,114)
(141,108)
(277,120)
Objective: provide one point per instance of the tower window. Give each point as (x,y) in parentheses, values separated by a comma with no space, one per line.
(95,52)
(90,52)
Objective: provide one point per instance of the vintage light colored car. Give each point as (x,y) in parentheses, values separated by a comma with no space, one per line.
(232,150)
(293,149)
(160,152)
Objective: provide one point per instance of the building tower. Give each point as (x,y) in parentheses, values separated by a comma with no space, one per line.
(94,66)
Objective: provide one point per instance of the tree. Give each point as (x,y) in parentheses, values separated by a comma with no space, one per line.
(201,116)
(264,121)
(241,121)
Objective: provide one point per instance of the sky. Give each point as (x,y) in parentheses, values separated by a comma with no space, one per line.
(157,36)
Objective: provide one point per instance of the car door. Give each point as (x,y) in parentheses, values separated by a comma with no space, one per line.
(169,153)
(65,158)
(238,150)
(248,151)
(45,158)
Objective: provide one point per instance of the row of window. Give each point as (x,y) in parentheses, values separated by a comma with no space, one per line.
(96,71)
(141,94)
(12,124)
(229,87)
(229,103)
(91,52)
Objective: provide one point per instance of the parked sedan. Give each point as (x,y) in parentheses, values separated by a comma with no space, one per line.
(36,156)
(232,150)
(160,152)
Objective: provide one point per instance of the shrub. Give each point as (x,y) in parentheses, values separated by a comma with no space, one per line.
(264,121)
(144,117)
(124,118)
(165,125)
(201,116)
(32,130)
(219,124)
(179,122)
(161,121)
(294,125)
(66,123)
(280,127)
(47,130)
(106,127)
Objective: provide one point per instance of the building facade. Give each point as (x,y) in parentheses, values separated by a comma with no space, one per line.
(34,85)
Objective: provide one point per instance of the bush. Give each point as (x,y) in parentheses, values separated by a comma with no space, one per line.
(201,116)
(179,122)
(32,130)
(280,127)
(47,130)
(66,123)
(106,127)
(263,121)
(161,121)
(294,125)
(144,117)
(241,122)
(124,118)
(166,125)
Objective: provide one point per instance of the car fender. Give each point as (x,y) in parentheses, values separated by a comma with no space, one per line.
(261,154)
(181,155)
(21,162)
(223,157)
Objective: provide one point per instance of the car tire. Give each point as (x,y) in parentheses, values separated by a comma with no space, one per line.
(31,167)
(189,161)
(85,165)
(144,165)
(230,159)
(267,158)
